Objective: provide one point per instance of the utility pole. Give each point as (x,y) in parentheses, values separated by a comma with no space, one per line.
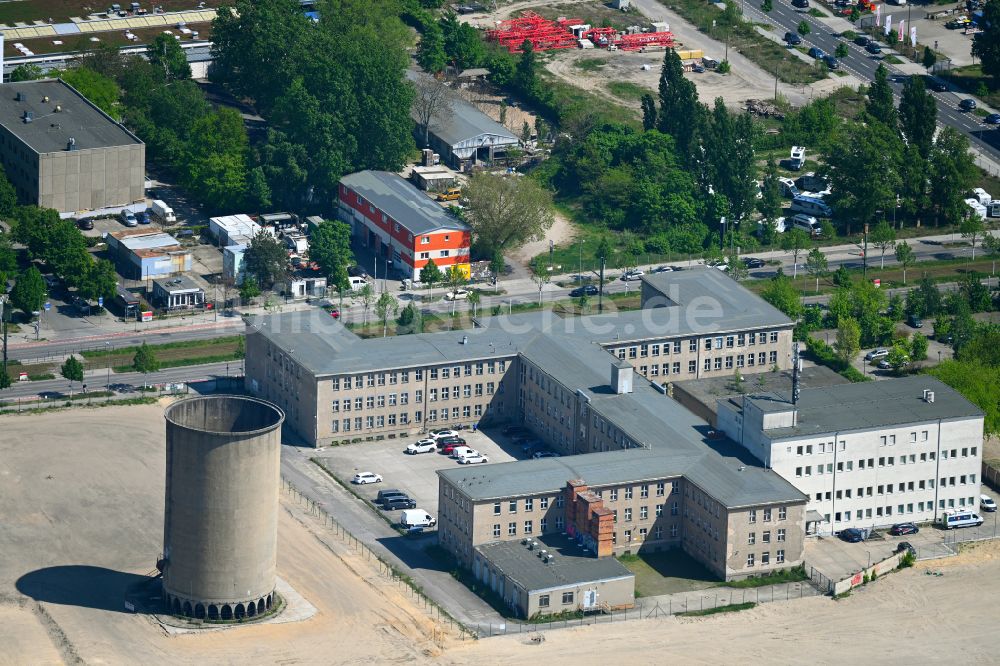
(864,251)
(3,318)
(600,291)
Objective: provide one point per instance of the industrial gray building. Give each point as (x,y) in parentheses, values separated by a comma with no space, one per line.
(61,151)
(220,524)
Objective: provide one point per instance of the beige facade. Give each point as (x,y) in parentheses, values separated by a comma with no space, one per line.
(81,180)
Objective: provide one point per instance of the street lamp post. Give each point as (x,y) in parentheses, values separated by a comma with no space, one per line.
(107,357)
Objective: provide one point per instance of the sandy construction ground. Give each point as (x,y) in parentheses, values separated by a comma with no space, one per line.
(81,496)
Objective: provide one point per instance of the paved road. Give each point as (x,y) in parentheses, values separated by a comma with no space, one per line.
(406,554)
(862,64)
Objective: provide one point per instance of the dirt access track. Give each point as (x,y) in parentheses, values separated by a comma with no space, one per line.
(746,80)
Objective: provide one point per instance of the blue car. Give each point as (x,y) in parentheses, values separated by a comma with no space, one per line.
(852,535)
(992,119)
(816,52)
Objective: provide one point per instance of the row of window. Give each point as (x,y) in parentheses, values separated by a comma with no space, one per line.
(730,341)
(528,504)
(370,379)
(885,461)
(766,514)
(765,558)
(543,599)
(902,487)
(717,363)
(765,537)
(390,420)
(901,509)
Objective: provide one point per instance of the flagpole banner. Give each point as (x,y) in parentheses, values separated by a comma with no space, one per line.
(888,24)
(878,15)
(902,29)
(913,36)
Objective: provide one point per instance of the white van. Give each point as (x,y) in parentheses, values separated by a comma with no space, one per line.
(960,518)
(806,223)
(811,205)
(460,452)
(788,188)
(357,283)
(416,518)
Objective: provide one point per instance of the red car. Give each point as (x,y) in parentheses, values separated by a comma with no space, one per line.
(335,313)
(448,446)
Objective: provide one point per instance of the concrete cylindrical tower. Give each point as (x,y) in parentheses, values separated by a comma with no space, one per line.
(220,525)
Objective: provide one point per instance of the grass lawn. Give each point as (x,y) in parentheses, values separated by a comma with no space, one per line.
(170,355)
(627,90)
(590,64)
(667,572)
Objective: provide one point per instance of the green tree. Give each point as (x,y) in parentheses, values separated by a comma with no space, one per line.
(929,58)
(8,259)
(680,113)
(409,320)
(430,274)
(526,71)
(803,28)
(782,294)
(241,347)
(991,246)
(972,227)
(905,256)
(794,241)
(737,269)
(899,356)
(330,247)
(952,172)
(454,278)
(506,212)
(28,293)
(863,166)
(848,340)
(462,43)
(101,90)
(100,281)
(841,51)
(881,105)
(770,202)
(265,259)
(817,265)
(918,347)
(72,370)
(386,308)
(983,348)
(249,289)
(497,267)
(980,384)
(8,197)
(217,159)
(367,296)
(145,361)
(165,53)
(729,143)
(883,237)
(986,44)
(975,293)
(918,115)
(474,299)
(26,72)
(431,52)
(766,6)
(648,112)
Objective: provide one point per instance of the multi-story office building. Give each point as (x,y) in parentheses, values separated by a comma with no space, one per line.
(336,386)
(401,224)
(61,151)
(869,454)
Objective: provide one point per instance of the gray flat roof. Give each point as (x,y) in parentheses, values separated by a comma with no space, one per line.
(570,565)
(463,122)
(150,241)
(177,284)
(403,202)
(51,130)
(869,405)
(699,301)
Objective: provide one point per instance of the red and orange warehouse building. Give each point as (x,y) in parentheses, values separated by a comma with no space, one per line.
(402,224)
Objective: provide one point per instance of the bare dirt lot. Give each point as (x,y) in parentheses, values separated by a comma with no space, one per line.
(80,512)
(81,503)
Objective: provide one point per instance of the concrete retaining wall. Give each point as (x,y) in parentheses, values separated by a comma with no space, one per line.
(879,568)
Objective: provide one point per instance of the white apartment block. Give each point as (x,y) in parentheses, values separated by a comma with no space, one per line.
(869,454)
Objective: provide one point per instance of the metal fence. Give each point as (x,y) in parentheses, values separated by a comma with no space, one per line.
(816,577)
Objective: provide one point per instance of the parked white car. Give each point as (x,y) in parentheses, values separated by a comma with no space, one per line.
(422,446)
(441,434)
(877,353)
(473,460)
(362,478)
(456,295)
(986,503)
(633,274)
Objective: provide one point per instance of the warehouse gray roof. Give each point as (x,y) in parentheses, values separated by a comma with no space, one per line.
(149,241)
(869,405)
(325,347)
(570,565)
(462,122)
(403,202)
(50,130)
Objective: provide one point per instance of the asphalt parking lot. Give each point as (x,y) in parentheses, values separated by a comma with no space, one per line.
(415,475)
(838,559)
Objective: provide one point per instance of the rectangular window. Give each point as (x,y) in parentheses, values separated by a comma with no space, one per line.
(511,529)
(628,493)
(660,488)
(753,516)
(779,557)
(543,601)
(529,504)
(512,506)
(782,513)
(527,527)
(781,535)
(752,538)
(750,560)
(767,515)
(628,515)
(496,530)
(765,558)
(543,503)
(766,536)
(567,598)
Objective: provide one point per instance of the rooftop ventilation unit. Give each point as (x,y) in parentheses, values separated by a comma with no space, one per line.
(542,553)
(19,96)
(465,339)
(45,99)
(929,396)
(28,117)
(71,144)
